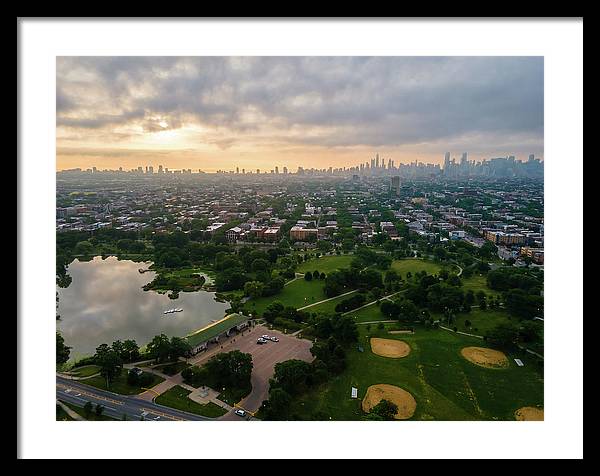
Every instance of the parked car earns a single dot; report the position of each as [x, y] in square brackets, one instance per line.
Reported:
[240, 412]
[274, 339]
[265, 337]
[260, 340]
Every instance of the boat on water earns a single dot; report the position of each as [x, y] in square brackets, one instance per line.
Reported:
[171, 311]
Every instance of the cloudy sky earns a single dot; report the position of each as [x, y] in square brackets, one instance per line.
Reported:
[215, 113]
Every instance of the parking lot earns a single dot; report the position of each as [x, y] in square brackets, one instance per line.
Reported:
[264, 358]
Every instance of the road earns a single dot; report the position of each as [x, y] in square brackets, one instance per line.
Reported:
[71, 391]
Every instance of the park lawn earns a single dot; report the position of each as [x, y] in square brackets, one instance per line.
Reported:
[329, 306]
[177, 397]
[477, 283]
[325, 264]
[444, 384]
[92, 417]
[85, 371]
[120, 385]
[481, 321]
[296, 294]
[368, 314]
[414, 265]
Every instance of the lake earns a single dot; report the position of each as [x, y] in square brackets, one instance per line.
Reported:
[105, 302]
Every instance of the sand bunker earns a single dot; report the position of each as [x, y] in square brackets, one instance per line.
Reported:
[485, 357]
[391, 348]
[404, 401]
[529, 414]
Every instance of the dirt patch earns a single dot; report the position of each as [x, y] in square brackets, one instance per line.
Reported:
[401, 332]
[485, 357]
[391, 348]
[404, 401]
[529, 414]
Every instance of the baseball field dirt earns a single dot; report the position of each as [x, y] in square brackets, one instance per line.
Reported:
[485, 357]
[391, 348]
[401, 398]
[529, 414]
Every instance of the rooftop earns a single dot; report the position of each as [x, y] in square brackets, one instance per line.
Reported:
[214, 329]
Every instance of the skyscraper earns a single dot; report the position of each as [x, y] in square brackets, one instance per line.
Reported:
[395, 188]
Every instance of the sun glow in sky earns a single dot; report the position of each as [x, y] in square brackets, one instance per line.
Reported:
[218, 113]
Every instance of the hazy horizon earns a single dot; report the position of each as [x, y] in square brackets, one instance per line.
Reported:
[219, 113]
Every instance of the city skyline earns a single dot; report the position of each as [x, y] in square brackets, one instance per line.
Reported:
[219, 113]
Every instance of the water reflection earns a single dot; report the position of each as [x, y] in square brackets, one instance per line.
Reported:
[105, 302]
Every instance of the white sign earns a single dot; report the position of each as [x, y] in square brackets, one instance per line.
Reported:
[354, 392]
[519, 362]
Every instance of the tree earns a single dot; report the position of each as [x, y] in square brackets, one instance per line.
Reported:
[277, 407]
[291, 376]
[62, 351]
[528, 332]
[98, 410]
[230, 369]
[308, 276]
[523, 305]
[159, 348]
[178, 347]
[504, 335]
[87, 409]
[254, 289]
[109, 362]
[131, 351]
[385, 409]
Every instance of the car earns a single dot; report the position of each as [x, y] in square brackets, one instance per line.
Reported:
[266, 337]
[241, 413]
[260, 340]
[274, 339]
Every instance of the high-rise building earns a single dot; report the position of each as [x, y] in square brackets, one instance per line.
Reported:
[160, 169]
[237, 170]
[395, 187]
[276, 169]
[150, 169]
[285, 171]
[377, 161]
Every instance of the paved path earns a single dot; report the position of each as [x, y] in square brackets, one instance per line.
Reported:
[325, 300]
[373, 322]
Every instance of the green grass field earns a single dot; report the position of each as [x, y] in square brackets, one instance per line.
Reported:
[478, 283]
[177, 397]
[481, 321]
[120, 385]
[444, 384]
[296, 294]
[329, 306]
[368, 314]
[325, 264]
[85, 371]
[403, 266]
